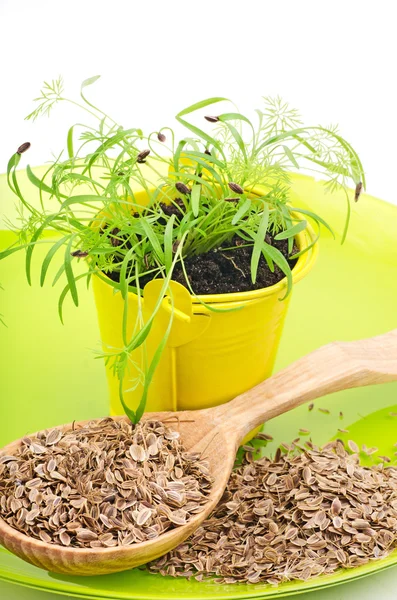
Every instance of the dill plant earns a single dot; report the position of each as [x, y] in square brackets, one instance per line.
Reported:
[230, 179]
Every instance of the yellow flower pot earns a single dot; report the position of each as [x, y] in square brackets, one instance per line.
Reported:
[210, 357]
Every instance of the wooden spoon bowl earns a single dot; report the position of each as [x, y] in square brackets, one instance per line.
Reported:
[216, 433]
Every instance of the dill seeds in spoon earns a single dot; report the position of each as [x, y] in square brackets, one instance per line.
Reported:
[109, 483]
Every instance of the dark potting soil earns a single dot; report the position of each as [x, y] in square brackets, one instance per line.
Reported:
[223, 271]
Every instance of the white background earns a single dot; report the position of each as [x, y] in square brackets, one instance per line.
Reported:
[335, 61]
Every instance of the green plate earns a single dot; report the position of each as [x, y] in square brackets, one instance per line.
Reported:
[48, 375]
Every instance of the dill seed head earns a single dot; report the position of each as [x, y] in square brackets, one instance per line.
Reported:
[79, 253]
[358, 190]
[142, 155]
[161, 137]
[182, 188]
[236, 188]
[23, 147]
[211, 119]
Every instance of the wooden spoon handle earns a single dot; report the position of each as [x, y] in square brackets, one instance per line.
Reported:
[337, 366]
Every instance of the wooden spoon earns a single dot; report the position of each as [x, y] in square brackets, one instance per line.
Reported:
[217, 433]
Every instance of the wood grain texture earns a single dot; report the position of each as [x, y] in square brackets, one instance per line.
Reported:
[217, 432]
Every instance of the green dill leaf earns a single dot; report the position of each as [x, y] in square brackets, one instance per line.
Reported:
[201, 104]
[82, 199]
[291, 156]
[128, 411]
[205, 159]
[237, 137]
[357, 173]
[39, 183]
[281, 262]
[152, 237]
[277, 138]
[69, 142]
[12, 164]
[329, 166]
[89, 81]
[81, 178]
[177, 154]
[49, 256]
[242, 210]
[196, 130]
[29, 250]
[123, 273]
[69, 272]
[235, 117]
[58, 274]
[9, 251]
[292, 231]
[313, 216]
[259, 240]
[152, 368]
[168, 243]
[61, 301]
[195, 199]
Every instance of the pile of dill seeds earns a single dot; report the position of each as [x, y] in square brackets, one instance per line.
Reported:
[106, 484]
[300, 515]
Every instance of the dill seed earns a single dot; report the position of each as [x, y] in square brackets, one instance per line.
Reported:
[304, 431]
[79, 253]
[286, 447]
[182, 188]
[358, 190]
[161, 137]
[324, 410]
[343, 430]
[264, 436]
[206, 151]
[341, 415]
[23, 147]
[142, 156]
[211, 119]
[384, 458]
[235, 187]
[393, 414]
[311, 406]
[353, 446]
